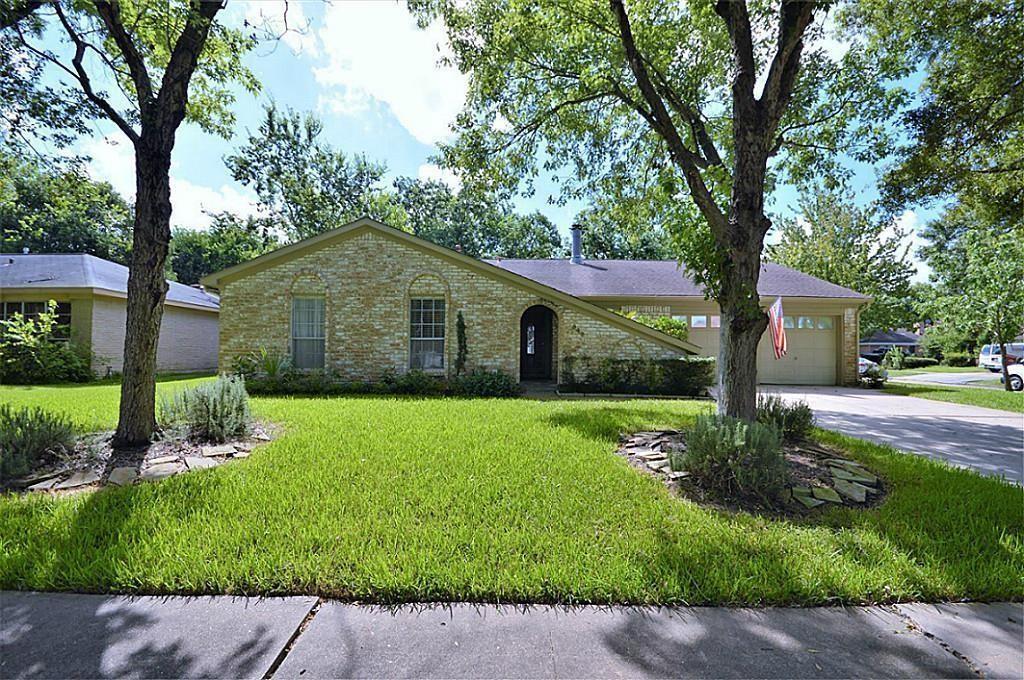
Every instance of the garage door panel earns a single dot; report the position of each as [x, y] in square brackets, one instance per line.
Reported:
[810, 359]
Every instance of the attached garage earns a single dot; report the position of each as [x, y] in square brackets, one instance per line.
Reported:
[812, 356]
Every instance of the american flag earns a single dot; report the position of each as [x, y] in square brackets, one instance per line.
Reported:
[777, 328]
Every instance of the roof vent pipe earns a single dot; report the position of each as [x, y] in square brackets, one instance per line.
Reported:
[577, 250]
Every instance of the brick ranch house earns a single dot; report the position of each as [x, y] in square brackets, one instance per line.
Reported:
[91, 295]
[367, 298]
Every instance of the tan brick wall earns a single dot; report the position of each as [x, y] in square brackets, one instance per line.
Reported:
[368, 279]
[188, 337]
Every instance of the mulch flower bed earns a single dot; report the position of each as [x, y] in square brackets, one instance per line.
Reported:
[94, 463]
[819, 476]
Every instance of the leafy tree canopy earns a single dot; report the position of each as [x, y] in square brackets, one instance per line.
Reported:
[229, 241]
[966, 138]
[58, 210]
[854, 247]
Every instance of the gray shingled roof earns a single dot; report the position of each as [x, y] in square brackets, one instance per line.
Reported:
[76, 270]
[891, 338]
[630, 278]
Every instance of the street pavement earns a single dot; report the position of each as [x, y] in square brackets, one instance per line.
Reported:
[964, 379]
[70, 636]
[983, 439]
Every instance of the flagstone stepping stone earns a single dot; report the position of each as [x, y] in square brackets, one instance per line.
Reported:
[244, 446]
[242, 454]
[852, 490]
[842, 462]
[45, 485]
[200, 463]
[801, 491]
[261, 437]
[657, 465]
[219, 450]
[78, 479]
[865, 477]
[122, 476]
[678, 474]
[824, 493]
[160, 471]
[651, 455]
[808, 501]
[160, 460]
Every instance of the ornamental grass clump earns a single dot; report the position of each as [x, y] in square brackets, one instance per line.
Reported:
[215, 411]
[794, 420]
[733, 457]
[29, 434]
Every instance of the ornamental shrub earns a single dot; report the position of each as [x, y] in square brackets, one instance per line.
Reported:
[215, 411]
[794, 421]
[29, 434]
[30, 356]
[874, 376]
[665, 324]
[485, 383]
[959, 359]
[733, 457]
[686, 376]
[919, 362]
[893, 358]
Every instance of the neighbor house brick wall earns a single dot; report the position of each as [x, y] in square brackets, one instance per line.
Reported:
[188, 337]
[368, 280]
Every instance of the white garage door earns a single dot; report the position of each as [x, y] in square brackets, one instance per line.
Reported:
[812, 355]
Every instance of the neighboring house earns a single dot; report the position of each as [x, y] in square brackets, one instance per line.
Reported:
[880, 342]
[91, 300]
[366, 299]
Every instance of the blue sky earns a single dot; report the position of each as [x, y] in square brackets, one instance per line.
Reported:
[373, 78]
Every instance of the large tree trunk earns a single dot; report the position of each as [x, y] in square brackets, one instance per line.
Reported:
[147, 287]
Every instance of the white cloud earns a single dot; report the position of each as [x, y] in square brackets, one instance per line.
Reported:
[113, 161]
[375, 51]
[429, 171]
[286, 19]
[910, 221]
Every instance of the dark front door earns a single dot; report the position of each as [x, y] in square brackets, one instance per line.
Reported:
[535, 340]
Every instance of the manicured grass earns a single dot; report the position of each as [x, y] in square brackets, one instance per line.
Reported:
[971, 396]
[895, 373]
[385, 499]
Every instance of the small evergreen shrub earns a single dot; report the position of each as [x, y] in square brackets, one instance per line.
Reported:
[29, 434]
[733, 457]
[262, 362]
[30, 356]
[919, 362]
[217, 411]
[874, 376]
[686, 376]
[794, 421]
[415, 382]
[484, 383]
[958, 359]
[665, 324]
[893, 358]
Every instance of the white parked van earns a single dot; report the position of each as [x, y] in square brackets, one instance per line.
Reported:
[991, 359]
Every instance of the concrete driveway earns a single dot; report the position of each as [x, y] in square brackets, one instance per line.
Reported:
[986, 440]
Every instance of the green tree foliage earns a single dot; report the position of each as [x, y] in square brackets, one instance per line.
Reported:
[854, 247]
[991, 296]
[228, 241]
[302, 182]
[966, 136]
[605, 238]
[60, 210]
[480, 224]
[678, 102]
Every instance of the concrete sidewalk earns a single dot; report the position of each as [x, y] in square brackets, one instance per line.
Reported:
[67, 635]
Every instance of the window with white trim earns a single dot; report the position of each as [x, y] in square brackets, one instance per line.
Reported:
[426, 334]
[308, 332]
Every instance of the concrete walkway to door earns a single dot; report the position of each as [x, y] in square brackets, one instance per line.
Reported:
[983, 439]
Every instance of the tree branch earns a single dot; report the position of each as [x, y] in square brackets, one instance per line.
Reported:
[661, 121]
[737, 23]
[794, 18]
[110, 13]
[173, 97]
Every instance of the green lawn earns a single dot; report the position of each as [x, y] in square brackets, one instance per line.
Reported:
[897, 372]
[971, 396]
[385, 499]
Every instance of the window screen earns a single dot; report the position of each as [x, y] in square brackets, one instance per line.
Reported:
[426, 334]
[308, 332]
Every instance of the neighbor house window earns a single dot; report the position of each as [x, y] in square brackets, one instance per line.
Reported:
[716, 321]
[824, 323]
[426, 334]
[308, 326]
[699, 321]
[32, 310]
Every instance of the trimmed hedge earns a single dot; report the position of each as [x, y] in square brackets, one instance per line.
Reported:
[919, 362]
[684, 377]
[958, 359]
[478, 383]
